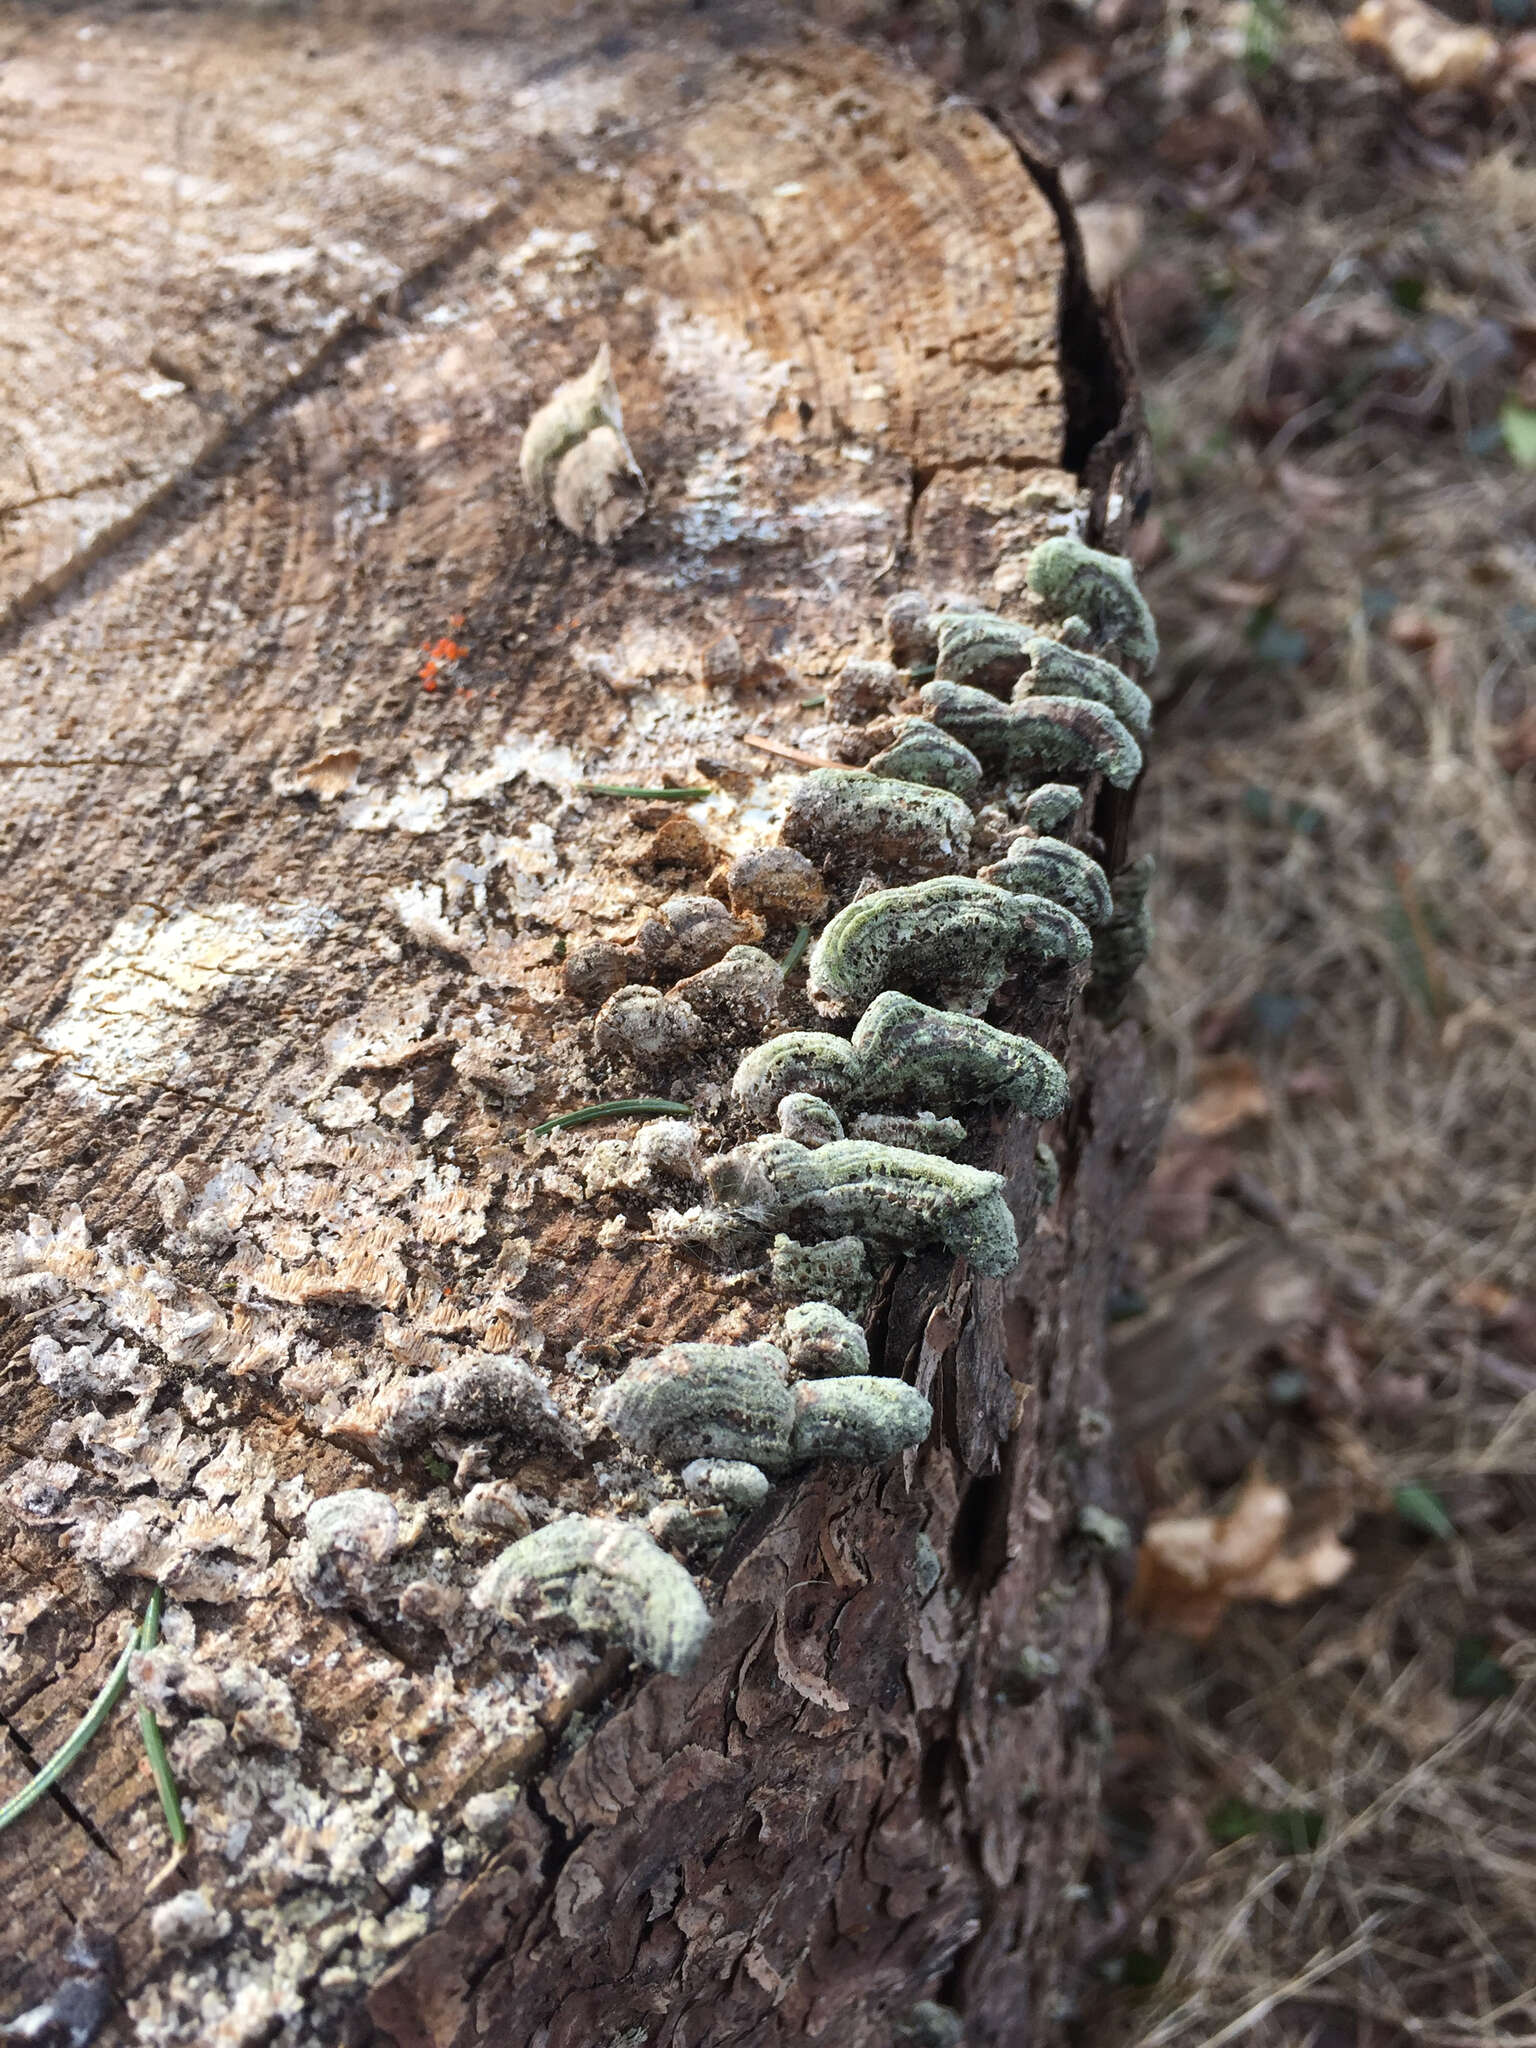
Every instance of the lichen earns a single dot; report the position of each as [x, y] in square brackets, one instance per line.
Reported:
[1038, 735]
[796, 1063]
[921, 752]
[604, 1579]
[1057, 869]
[943, 1060]
[953, 938]
[860, 1418]
[1072, 580]
[693, 1401]
[848, 816]
[904, 1200]
[822, 1342]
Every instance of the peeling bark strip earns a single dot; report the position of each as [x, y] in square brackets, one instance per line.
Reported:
[313, 912]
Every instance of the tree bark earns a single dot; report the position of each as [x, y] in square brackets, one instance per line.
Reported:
[285, 929]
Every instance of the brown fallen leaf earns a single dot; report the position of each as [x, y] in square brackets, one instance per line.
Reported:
[1177, 1209]
[1428, 51]
[1228, 1094]
[1190, 1568]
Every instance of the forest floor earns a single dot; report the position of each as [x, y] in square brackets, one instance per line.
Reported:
[1322, 1822]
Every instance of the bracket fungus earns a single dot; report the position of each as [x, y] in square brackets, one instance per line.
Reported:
[796, 1063]
[922, 752]
[981, 650]
[953, 938]
[836, 1271]
[1125, 940]
[1049, 807]
[945, 1060]
[647, 1027]
[575, 461]
[694, 1401]
[880, 1193]
[850, 816]
[922, 1132]
[910, 629]
[809, 1120]
[859, 1417]
[776, 884]
[1045, 735]
[1057, 869]
[1073, 580]
[604, 1579]
[731, 1482]
[1056, 670]
[822, 1341]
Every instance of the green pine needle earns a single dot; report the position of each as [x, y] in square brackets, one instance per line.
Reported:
[668, 796]
[154, 1741]
[74, 1747]
[797, 950]
[638, 1105]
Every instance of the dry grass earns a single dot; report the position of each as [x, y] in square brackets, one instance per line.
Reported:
[1346, 834]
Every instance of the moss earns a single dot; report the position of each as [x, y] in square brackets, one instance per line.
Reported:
[604, 1579]
[1073, 580]
[909, 1051]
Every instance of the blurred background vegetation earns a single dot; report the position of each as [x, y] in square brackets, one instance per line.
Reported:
[1321, 228]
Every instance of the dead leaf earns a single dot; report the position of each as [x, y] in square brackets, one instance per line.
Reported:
[1192, 1567]
[1428, 51]
[1228, 1094]
[1178, 1199]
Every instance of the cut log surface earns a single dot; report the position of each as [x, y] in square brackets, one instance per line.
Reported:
[300, 711]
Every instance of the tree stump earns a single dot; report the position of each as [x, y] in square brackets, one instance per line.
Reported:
[302, 706]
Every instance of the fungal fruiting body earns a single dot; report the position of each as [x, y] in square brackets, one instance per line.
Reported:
[1049, 735]
[953, 938]
[1048, 808]
[849, 815]
[922, 752]
[905, 1200]
[647, 1026]
[822, 1341]
[809, 1120]
[910, 628]
[575, 460]
[859, 1417]
[604, 1579]
[796, 1063]
[921, 1132]
[981, 650]
[1047, 1175]
[1056, 670]
[1057, 869]
[945, 1060]
[694, 1401]
[836, 1271]
[731, 1482]
[1073, 580]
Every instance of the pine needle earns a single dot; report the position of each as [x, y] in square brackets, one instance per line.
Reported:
[638, 1105]
[668, 796]
[76, 1744]
[796, 952]
[154, 1741]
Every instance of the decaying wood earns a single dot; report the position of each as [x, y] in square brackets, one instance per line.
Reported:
[284, 930]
